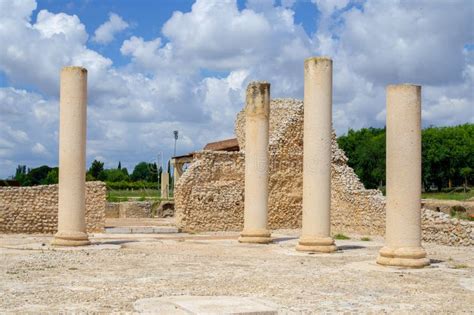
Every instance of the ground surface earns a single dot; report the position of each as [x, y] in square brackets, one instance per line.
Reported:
[121, 269]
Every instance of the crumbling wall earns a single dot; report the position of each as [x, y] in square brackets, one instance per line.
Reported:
[209, 196]
[35, 209]
[210, 192]
[129, 209]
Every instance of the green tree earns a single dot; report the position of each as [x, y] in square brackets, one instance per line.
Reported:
[52, 177]
[96, 169]
[365, 149]
[113, 175]
[125, 171]
[36, 176]
[466, 173]
[445, 151]
[140, 172]
[119, 167]
[21, 174]
[144, 171]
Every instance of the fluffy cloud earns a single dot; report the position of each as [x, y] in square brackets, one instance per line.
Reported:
[379, 43]
[193, 77]
[105, 33]
[26, 122]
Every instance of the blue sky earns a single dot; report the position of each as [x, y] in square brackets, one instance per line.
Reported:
[159, 66]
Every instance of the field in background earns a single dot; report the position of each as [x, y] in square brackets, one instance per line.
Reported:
[460, 196]
[115, 195]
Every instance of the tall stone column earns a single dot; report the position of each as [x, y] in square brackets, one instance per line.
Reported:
[72, 158]
[257, 114]
[403, 215]
[316, 229]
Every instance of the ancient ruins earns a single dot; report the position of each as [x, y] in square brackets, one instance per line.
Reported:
[265, 180]
[277, 196]
[316, 221]
[257, 112]
[403, 219]
[72, 158]
[210, 195]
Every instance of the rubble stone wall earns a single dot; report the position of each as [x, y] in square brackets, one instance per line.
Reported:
[210, 194]
[129, 209]
[35, 209]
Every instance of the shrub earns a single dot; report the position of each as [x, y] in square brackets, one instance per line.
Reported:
[341, 236]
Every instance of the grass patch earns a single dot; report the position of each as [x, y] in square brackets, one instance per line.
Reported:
[340, 236]
[460, 213]
[115, 198]
[116, 195]
[460, 196]
[365, 239]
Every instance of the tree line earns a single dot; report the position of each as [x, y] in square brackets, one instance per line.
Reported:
[447, 161]
[144, 175]
[447, 156]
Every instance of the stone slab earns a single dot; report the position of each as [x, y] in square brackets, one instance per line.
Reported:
[165, 229]
[205, 305]
[142, 230]
[118, 230]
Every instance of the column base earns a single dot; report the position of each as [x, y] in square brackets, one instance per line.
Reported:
[70, 239]
[407, 257]
[256, 236]
[316, 244]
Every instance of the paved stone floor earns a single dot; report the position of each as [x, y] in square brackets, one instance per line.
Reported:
[120, 271]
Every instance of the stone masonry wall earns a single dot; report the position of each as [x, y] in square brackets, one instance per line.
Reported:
[35, 209]
[129, 209]
[210, 194]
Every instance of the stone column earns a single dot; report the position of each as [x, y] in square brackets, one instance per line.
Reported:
[257, 112]
[165, 185]
[177, 171]
[316, 229]
[72, 158]
[403, 215]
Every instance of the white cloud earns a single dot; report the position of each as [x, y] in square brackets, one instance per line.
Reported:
[27, 123]
[39, 149]
[193, 77]
[106, 32]
[386, 42]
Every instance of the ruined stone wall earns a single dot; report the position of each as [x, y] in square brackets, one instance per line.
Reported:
[210, 193]
[35, 209]
[129, 209]
[209, 196]
[438, 227]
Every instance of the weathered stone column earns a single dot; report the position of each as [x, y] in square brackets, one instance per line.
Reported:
[403, 215]
[316, 229]
[257, 113]
[177, 171]
[72, 158]
[165, 185]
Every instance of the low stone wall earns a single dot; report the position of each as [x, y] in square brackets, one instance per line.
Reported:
[440, 228]
[447, 205]
[210, 196]
[129, 209]
[35, 209]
